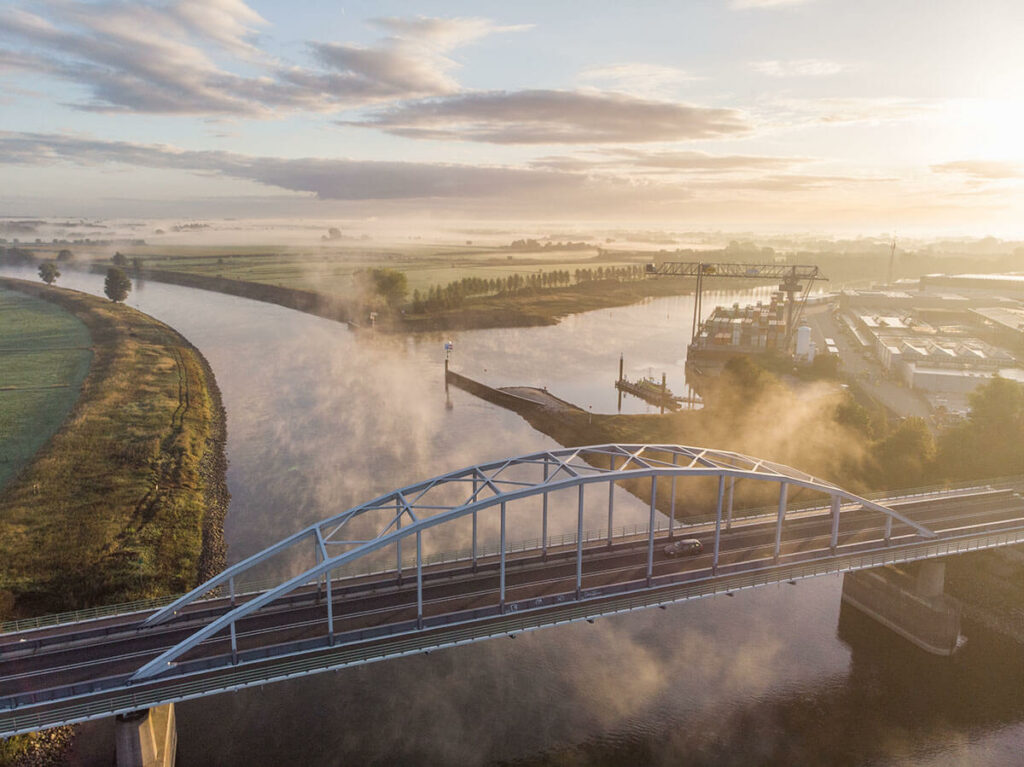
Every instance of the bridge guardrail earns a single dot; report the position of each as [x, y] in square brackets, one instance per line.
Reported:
[566, 539]
[294, 666]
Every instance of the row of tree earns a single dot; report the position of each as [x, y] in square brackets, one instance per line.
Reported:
[454, 294]
[117, 285]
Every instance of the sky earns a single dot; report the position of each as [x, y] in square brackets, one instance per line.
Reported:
[774, 115]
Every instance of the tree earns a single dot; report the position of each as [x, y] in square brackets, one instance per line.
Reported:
[903, 458]
[119, 259]
[117, 286]
[65, 256]
[390, 284]
[990, 442]
[48, 272]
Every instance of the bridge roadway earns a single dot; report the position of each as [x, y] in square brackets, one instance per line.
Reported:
[80, 671]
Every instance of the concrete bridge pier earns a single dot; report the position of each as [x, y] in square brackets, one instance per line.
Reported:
[909, 600]
[147, 738]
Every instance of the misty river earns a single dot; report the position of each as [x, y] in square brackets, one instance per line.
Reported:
[320, 419]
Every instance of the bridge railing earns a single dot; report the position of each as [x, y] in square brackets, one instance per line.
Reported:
[245, 588]
[287, 667]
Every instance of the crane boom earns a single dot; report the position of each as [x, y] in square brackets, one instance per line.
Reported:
[750, 271]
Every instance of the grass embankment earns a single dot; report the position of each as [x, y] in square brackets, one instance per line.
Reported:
[525, 308]
[44, 355]
[127, 499]
[545, 306]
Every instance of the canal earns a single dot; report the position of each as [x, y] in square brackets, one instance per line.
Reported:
[320, 418]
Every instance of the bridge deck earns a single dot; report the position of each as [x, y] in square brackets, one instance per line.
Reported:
[74, 672]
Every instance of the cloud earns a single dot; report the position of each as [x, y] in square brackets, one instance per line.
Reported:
[165, 58]
[840, 110]
[984, 170]
[665, 162]
[554, 117]
[742, 4]
[411, 63]
[336, 179]
[444, 34]
[798, 68]
[638, 78]
[793, 182]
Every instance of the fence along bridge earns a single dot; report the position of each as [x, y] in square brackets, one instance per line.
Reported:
[367, 590]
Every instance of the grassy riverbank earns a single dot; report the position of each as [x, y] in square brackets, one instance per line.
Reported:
[127, 499]
[44, 356]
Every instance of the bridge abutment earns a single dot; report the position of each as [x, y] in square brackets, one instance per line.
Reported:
[910, 601]
[147, 738]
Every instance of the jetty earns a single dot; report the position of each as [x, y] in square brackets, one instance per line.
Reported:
[525, 400]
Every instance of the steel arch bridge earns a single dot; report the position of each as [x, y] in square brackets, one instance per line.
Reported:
[490, 488]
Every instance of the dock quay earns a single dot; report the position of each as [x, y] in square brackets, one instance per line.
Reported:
[525, 400]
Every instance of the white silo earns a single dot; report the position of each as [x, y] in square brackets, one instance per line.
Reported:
[803, 342]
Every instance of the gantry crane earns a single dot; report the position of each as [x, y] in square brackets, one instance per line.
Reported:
[790, 275]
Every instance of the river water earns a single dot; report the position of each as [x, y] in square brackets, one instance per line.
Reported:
[320, 419]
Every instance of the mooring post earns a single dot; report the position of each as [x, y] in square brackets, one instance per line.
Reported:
[650, 531]
[783, 490]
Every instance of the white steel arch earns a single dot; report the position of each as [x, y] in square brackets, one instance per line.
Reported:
[411, 512]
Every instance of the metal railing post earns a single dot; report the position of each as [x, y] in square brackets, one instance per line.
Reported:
[501, 566]
[650, 531]
[718, 523]
[611, 500]
[888, 528]
[544, 517]
[579, 545]
[672, 512]
[419, 580]
[319, 579]
[783, 490]
[835, 523]
[330, 611]
[234, 645]
[231, 589]
[474, 525]
[728, 514]
[398, 551]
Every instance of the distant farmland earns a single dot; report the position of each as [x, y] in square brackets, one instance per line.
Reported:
[330, 270]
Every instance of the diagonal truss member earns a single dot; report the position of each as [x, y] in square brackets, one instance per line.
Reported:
[487, 487]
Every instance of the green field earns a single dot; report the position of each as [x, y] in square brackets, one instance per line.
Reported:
[131, 483]
[44, 355]
[330, 269]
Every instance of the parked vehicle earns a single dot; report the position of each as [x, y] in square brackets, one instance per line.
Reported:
[684, 547]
